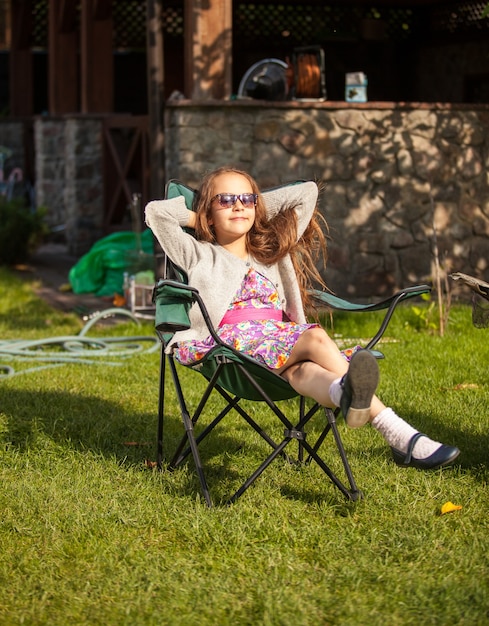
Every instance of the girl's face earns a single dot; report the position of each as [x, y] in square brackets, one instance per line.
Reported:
[232, 218]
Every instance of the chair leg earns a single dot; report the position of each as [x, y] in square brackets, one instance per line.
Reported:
[298, 433]
[180, 454]
[189, 429]
[161, 410]
[353, 493]
[278, 450]
[233, 403]
[292, 432]
[189, 436]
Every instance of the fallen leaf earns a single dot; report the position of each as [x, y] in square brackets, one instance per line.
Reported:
[466, 386]
[449, 507]
[461, 387]
[118, 300]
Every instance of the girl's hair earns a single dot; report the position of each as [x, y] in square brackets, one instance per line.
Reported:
[269, 241]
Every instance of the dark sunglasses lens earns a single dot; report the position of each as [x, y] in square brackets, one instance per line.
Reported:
[248, 199]
[227, 200]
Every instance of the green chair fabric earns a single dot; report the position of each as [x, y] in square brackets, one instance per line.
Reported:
[175, 188]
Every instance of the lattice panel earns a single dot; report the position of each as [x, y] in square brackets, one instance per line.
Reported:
[255, 23]
[298, 24]
[129, 23]
[460, 18]
[317, 23]
[40, 19]
[398, 23]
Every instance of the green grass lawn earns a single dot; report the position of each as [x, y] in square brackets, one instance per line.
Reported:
[91, 535]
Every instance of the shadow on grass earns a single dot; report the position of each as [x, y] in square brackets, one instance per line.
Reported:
[92, 424]
[88, 423]
[32, 315]
[230, 460]
[78, 421]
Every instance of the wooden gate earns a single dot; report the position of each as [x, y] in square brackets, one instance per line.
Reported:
[126, 169]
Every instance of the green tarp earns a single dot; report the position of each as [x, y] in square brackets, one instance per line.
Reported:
[101, 270]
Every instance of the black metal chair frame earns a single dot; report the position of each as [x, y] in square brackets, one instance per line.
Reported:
[225, 367]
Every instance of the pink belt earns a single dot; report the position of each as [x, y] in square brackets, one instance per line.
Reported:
[243, 315]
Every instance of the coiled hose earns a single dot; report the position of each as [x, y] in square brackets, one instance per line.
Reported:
[76, 348]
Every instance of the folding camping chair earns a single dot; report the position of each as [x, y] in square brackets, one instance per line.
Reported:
[238, 378]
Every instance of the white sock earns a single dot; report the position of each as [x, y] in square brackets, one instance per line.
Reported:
[399, 433]
[335, 391]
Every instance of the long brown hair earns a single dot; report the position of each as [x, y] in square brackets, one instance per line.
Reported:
[269, 241]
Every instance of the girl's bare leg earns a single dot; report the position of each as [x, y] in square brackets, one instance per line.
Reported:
[314, 363]
[316, 345]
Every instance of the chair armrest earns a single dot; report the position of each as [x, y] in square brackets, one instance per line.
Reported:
[338, 304]
[173, 300]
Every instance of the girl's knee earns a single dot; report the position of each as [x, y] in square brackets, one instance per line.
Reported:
[319, 339]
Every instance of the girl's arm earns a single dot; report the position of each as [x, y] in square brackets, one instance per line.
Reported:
[302, 196]
[167, 218]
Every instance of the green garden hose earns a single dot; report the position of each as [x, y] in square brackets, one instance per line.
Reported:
[76, 348]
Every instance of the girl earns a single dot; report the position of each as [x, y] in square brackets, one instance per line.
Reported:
[253, 259]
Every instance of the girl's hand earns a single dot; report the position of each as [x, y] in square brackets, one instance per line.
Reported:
[191, 220]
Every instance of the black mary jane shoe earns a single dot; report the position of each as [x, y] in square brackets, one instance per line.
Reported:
[441, 457]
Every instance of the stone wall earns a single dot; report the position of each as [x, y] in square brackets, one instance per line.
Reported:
[393, 177]
[50, 169]
[69, 177]
[389, 173]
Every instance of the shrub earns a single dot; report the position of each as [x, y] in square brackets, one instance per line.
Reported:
[21, 230]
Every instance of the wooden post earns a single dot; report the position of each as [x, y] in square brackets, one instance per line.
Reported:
[63, 61]
[20, 61]
[97, 63]
[208, 49]
[156, 111]
[156, 107]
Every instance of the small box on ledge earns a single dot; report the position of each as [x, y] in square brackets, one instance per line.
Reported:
[356, 87]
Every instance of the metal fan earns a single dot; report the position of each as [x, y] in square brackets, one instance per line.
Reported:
[265, 80]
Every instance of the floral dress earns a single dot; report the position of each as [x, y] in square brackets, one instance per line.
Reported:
[269, 341]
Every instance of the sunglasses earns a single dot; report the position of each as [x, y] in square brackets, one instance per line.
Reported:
[228, 200]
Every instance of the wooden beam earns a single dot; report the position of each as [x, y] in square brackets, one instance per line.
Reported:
[21, 11]
[102, 9]
[62, 62]
[156, 90]
[97, 64]
[21, 97]
[208, 49]
[67, 16]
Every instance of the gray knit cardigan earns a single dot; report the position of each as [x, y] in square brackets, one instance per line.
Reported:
[217, 273]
